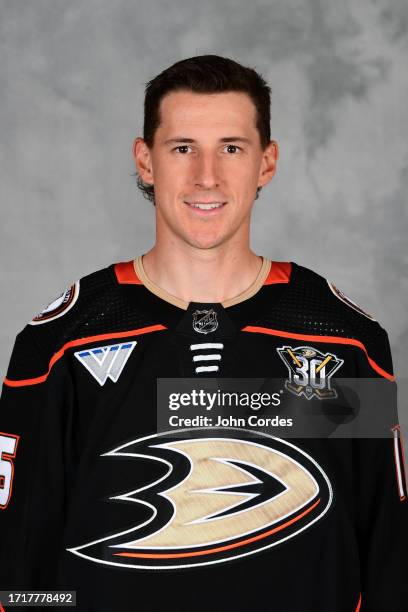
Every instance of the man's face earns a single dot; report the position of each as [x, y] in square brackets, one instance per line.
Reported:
[206, 150]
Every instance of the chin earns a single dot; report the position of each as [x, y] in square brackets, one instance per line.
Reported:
[204, 243]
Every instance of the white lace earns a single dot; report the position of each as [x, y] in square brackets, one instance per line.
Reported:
[206, 357]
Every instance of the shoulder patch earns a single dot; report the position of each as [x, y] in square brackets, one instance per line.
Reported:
[341, 296]
[58, 307]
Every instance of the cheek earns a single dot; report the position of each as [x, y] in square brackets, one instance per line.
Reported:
[167, 177]
[173, 168]
[170, 187]
[243, 176]
[162, 171]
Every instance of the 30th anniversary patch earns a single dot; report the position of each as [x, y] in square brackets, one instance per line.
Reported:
[310, 371]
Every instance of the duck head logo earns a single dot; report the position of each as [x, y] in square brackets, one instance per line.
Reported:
[217, 495]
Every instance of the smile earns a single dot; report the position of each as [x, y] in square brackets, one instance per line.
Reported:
[206, 207]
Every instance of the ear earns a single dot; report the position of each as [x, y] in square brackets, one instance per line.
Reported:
[269, 163]
[143, 161]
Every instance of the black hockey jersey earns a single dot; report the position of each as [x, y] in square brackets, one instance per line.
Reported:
[96, 497]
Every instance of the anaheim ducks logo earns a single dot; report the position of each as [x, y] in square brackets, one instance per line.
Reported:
[58, 307]
[216, 497]
[344, 298]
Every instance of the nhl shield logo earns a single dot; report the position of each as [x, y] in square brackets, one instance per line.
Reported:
[205, 321]
[310, 371]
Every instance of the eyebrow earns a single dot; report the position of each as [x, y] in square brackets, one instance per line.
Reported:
[225, 139]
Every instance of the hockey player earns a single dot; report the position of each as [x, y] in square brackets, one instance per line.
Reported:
[97, 496]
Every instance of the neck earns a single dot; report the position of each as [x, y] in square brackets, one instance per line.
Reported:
[202, 275]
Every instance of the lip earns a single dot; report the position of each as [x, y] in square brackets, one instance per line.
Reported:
[205, 213]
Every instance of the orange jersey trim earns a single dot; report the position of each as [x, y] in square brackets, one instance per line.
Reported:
[358, 604]
[279, 273]
[126, 274]
[220, 548]
[332, 339]
[80, 342]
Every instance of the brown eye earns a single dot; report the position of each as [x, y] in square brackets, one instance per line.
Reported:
[180, 147]
[233, 146]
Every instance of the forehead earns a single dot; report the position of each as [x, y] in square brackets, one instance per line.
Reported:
[190, 110]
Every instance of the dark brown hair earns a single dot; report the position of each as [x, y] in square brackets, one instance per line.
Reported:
[205, 74]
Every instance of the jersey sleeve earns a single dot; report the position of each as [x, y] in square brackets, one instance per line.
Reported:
[37, 457]
[380, 493]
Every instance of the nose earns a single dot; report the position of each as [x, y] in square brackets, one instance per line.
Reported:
[206, 171]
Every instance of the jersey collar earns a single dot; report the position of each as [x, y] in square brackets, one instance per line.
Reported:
[133, 272]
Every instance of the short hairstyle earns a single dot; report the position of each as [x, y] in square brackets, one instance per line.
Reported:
[205, 74]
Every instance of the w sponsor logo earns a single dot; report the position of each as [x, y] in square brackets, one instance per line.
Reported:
[105, 362]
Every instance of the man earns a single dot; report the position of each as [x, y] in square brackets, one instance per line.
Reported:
[99, 497]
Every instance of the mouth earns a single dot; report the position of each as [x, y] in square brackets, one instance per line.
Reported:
[206, 208]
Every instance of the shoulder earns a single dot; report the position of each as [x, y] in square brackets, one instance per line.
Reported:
[76, 302]
[87, 308]
[322, 296]
[316, 288]
[74, 298]
[331, 312]
[316, 306]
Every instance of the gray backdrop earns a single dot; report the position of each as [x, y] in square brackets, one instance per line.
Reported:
[72, 77]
